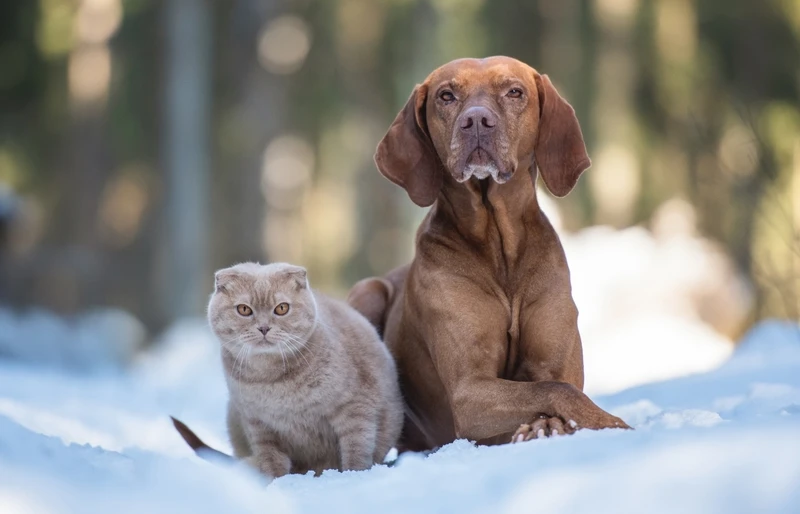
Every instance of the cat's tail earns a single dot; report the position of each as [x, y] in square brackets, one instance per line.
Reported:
[202, 450]
[372, 297]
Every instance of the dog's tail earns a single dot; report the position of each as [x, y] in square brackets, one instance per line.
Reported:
[202, 450]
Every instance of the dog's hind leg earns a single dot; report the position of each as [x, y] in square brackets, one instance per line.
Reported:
[371, 297]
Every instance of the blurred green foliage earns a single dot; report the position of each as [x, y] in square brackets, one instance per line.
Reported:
[677, 98]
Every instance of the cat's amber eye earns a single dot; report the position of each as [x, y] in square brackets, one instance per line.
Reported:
[244, 310]
[282, 309]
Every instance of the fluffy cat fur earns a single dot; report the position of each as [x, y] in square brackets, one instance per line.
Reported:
[312, 389]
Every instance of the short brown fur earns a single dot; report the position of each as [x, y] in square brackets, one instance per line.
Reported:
[482, 323]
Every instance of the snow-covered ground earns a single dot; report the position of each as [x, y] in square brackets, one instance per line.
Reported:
[724, 441]
[82, 431]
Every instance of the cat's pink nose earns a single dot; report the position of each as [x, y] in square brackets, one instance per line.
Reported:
[263, 329]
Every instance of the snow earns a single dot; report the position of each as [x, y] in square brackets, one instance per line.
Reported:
[79, 343]
[654, 303]
[723, 441]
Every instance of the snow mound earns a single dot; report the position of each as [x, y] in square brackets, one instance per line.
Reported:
[98, 340]
[654, 303]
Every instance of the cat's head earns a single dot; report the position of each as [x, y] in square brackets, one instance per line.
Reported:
[268, 307]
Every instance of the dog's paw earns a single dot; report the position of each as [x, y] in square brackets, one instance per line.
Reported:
[542, 428]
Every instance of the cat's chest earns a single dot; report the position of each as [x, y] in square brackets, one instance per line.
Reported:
[301, 421]
[298, 399]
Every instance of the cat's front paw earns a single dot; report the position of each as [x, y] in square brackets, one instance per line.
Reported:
[267, 467]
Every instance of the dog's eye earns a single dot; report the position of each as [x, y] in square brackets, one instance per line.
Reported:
[282, 309]
[447, 96]
[244, 310]
[514, 93]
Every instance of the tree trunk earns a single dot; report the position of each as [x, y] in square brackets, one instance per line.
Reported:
[187, 83]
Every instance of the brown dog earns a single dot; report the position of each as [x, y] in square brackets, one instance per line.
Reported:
[482, 323]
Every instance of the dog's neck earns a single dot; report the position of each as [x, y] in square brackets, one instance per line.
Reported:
[488, 213]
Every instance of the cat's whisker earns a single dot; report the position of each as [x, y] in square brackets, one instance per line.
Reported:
[247, 357]
[296, 350]
[296, 338]
[241, 339]
[235, 362]
[280, 348]
[238, 355]
[234, 339]
[238, 373]
[298, 341]
[251, 338]
[243, 364]
[300, 345]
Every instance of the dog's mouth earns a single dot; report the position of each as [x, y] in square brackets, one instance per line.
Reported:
[481, 165]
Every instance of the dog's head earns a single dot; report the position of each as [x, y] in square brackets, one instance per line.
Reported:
[481, 119]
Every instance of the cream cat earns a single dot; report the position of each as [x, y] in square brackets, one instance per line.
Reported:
[311, 385]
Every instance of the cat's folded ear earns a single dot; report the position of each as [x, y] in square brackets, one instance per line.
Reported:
[298, 274]
[223, 278]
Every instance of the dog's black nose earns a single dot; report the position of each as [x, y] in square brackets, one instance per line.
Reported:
[478, 115]
[263, 329]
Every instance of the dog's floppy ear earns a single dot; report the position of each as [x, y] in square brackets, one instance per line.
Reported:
[406, 155]
[559, 151]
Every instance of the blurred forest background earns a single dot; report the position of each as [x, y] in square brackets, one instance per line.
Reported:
[145, 143]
